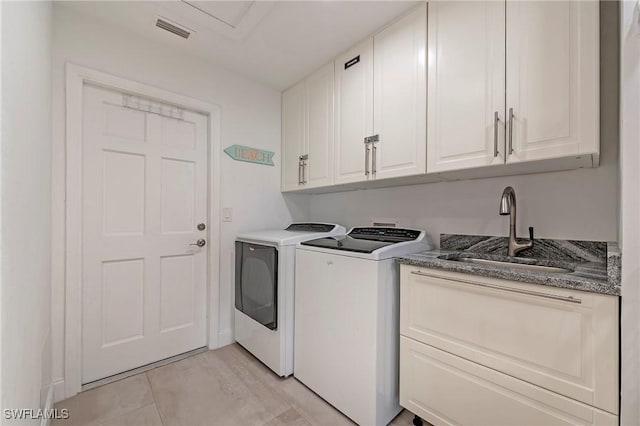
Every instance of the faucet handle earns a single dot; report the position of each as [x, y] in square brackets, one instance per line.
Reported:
[531, 233]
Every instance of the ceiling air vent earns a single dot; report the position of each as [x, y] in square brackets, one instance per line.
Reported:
[172, 28]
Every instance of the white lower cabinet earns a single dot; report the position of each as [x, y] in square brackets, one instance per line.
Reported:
[477, 350]
[446, 389]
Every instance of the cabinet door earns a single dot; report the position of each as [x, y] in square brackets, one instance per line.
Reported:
[466, 85]
[445, 389]
[319, 127]
[293, 136]
[552, 78]
[400, 97]
[354, 111]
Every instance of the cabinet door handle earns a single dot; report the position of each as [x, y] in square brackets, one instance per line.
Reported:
[366, 157]
[370, 140]
[303, 161]
[299, 171]
[503, 288]
[510, 131]
[304, 172]
[373, 159]
[496, 123]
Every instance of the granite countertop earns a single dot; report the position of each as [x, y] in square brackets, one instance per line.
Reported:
[594, 266]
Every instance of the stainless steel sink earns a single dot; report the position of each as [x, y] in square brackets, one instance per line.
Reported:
[513, 265]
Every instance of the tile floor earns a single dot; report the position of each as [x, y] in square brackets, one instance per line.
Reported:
[226, 387]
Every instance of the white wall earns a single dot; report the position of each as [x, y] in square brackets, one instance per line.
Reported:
[630, 209]
[25, 231]
[567, 205]
[578, 204]
[250, 116]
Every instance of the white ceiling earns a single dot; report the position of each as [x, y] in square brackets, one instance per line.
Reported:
[275, 42]
[229, 12]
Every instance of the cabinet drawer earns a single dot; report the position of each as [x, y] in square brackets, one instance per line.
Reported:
[531, 332]
[446, 389]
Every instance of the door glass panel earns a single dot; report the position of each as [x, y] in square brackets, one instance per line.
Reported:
[257, 282]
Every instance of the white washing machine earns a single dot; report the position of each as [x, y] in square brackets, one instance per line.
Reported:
[264, 290]
[347, 319]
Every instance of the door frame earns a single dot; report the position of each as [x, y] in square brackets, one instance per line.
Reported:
[76, 78]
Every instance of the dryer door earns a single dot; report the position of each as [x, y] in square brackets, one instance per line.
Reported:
[257, 282]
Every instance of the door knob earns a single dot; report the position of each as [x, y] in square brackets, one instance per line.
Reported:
[199, 243]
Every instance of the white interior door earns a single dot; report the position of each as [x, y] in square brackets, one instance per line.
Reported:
[144, 194]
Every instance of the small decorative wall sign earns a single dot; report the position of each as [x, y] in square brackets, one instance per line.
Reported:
[251, 155]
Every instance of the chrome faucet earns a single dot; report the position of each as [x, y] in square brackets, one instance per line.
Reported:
[508, 207]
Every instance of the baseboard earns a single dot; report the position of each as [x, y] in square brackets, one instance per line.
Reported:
[58, 390]
[48, 406]
[225, 338]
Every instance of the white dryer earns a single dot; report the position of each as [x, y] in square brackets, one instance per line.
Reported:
[347, 319]
[264, 290]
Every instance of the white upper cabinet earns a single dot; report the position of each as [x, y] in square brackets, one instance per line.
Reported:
[308, 132]
[469, 89]
[546, 67]
[319, 128]
[293, 134]
[354, 112]
[400, 97]
[381, 94]
[552, 79]
[466, 73]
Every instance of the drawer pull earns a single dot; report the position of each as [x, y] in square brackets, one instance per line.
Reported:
[570, 299]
